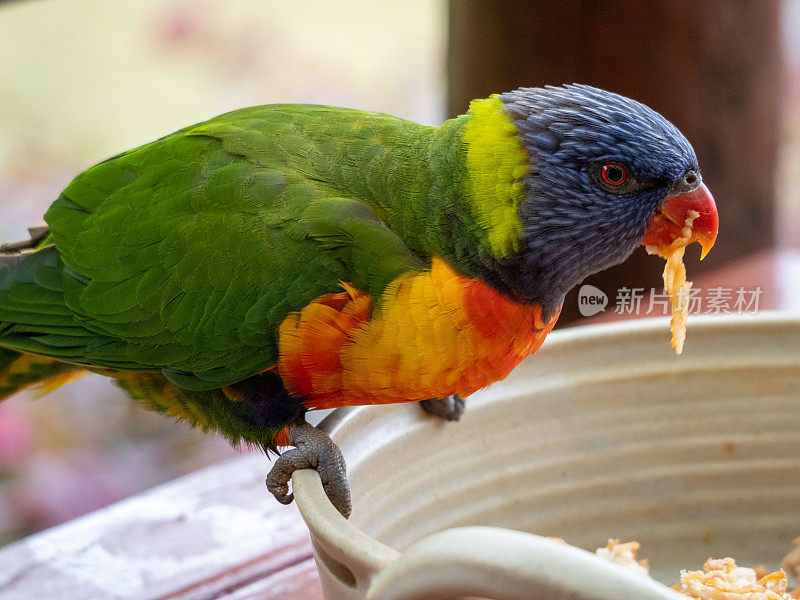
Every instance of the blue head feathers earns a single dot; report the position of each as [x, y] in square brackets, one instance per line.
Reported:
[600, 166]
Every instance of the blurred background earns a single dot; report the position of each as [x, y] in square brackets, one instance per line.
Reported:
[85, 79]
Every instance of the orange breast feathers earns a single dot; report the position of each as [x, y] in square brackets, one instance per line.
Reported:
[432, 334]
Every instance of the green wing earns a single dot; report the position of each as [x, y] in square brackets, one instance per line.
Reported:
[186, 254]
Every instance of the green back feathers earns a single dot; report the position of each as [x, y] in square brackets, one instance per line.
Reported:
[186, 254]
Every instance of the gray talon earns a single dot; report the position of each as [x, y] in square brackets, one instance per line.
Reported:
[313, 449]
[450, 408]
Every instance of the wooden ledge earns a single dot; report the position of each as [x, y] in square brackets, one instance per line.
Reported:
[216, 533]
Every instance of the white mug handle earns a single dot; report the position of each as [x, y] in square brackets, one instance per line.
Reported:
[503, 564]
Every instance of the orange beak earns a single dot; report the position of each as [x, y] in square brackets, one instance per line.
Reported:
[692, 215]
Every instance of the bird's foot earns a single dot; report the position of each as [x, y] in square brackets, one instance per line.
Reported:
[313, 449]
[450, 408]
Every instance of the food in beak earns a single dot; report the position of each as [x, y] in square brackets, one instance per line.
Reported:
[683, 219]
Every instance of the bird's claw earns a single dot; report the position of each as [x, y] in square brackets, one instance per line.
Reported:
[450, 408]
[313, 449]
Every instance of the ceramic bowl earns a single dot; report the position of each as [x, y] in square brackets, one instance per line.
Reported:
[604, 433]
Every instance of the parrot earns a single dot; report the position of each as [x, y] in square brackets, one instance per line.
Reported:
[285, 258]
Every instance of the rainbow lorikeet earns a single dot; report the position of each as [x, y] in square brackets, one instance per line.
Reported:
[277, 259]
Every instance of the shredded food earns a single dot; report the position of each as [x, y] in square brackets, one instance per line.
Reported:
[675, 280]
[720, 579]
[624, 555]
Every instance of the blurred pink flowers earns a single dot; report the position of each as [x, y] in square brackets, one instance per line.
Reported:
[16, 436]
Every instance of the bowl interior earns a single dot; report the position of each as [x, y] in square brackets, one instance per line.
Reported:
[605, 434]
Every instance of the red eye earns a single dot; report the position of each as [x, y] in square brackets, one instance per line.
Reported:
[614, 174]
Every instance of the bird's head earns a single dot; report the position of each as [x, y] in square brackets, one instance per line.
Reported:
[605, 174]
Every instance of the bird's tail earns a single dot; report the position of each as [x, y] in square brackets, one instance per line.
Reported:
[19, 370]
[39, 236]
[12, 254]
